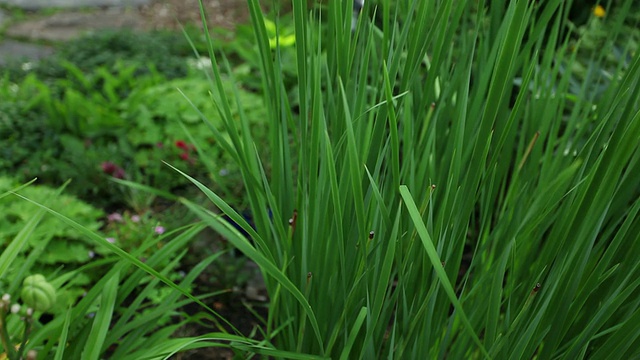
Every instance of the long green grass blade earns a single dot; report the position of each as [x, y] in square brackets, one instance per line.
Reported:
[436, 262]
[102, 319]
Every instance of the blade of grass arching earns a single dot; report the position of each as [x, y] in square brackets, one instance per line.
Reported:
[301, 23]
[102, 320]
[386, 214]
[151, 190]
[179, 241]
[495, 300]
[216, 133]
[270, 353]
[206, 160]
[10, 253]
[137, 333]
[262, 41]
[140, 324]
[393, 130]
[383, 279]
[251, 172]
[460, 127]
[62, 341]
[596, 198]
[7, 193]
[34, 255]
[172, 346]
[131, 332]
[354, 163]
[606, 266]
[100, 241]
[244, 154]
[233, 236]
[626, 336]
[337, 208]
[501, 79]
[351, 339]
[231, 213]
[437, 264]
[79, 329]
[276, 218]
[225, 111]
[609, 306]
[520, 332]
[168, 303]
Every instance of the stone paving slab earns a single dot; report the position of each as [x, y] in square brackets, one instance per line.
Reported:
[40, 4]
[69, 25]
[11, 50]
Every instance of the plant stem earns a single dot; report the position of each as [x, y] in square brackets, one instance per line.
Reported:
[4, 333]
[27, 330]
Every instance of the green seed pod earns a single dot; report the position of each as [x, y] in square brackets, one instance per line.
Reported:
[37, 293]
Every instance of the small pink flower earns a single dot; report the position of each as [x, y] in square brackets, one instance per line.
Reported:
[108, 167]
[112, 169]
[115, 217]
[111, 240]
[119, 174]
[135, 218]
[159, 230]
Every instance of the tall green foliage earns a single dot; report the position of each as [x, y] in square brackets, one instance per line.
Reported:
[444, 191]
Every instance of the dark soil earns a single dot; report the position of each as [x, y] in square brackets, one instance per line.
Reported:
[170, 14]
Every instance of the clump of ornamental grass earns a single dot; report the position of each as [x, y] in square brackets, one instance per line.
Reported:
[440, 192]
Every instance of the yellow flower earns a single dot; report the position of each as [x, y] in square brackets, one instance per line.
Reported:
[599, 11]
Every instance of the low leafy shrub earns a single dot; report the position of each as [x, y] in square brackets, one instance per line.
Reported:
[52, 246]
[28, 143]
[102, 120]
[160, 51]
[166, 123]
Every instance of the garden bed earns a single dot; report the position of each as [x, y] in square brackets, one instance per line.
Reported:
[379, 195]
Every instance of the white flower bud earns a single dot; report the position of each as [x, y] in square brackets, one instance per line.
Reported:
[15, 308]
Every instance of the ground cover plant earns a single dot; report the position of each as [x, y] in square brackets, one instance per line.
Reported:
[113, 112]
[124, 313]
[451, 180]
[47, 251]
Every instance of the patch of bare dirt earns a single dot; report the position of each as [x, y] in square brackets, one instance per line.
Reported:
[170, 14]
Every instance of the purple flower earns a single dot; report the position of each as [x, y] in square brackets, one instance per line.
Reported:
[115, 217]
[135, 218]
[111, 240]
[159, 230]
[112, 169]
[91, 254]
